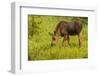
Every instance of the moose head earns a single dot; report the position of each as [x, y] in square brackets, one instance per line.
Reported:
[55, 38]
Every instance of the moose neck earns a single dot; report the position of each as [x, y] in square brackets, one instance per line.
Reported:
[57, 32]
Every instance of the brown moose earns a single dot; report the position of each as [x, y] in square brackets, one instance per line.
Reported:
[64, 29]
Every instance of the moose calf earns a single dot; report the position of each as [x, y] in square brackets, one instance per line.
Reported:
[64, 29]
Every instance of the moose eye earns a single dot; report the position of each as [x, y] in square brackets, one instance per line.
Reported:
[53, 38]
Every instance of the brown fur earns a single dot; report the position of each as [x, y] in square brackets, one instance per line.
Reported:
[65, 29]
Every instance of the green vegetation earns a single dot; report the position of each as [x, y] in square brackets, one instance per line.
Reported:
[39, 40]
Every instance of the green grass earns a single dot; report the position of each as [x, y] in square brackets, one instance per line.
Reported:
[39, 43]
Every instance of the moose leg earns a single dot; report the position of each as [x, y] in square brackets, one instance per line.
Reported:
[66, 38]
[80, 39]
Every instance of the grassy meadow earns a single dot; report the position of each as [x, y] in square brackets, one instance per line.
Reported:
[39, 39]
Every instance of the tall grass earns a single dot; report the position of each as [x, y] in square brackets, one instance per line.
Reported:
[39, 40]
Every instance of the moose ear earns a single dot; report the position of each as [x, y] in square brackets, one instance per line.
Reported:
[50, 33]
